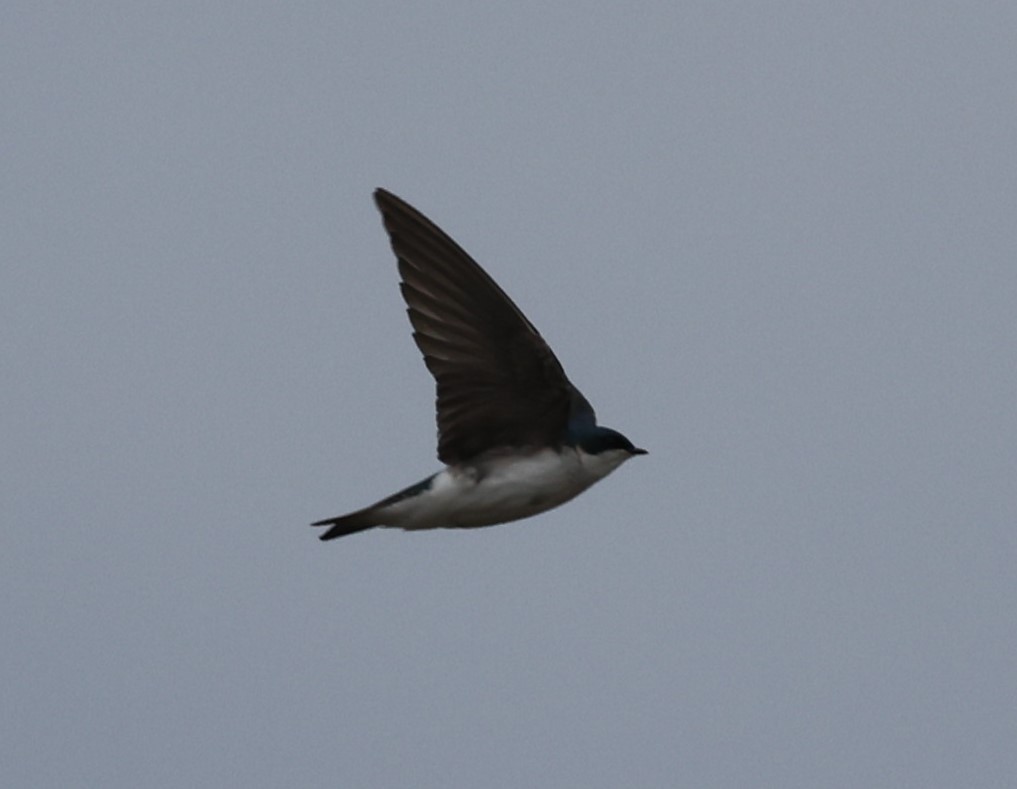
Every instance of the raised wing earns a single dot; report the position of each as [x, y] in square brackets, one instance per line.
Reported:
[499, 384]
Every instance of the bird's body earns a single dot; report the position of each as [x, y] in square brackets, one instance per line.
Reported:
[516, 436]
[491, 491]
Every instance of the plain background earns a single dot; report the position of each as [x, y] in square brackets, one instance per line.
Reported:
[773, 243]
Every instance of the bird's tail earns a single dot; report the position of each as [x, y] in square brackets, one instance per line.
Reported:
[349, 524]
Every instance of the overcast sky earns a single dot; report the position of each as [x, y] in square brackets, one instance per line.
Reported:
[773, 243]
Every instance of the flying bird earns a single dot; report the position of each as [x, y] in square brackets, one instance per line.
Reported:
[516, 437]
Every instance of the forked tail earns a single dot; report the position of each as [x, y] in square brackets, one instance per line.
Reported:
[348, 524]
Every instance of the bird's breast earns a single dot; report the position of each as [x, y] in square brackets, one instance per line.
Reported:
[500, 489]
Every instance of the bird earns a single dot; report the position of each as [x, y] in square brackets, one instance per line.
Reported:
[516, 436]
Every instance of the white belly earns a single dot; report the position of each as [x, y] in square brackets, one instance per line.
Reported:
[498, 491]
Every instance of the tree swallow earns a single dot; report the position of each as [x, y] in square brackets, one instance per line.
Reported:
[516, 437]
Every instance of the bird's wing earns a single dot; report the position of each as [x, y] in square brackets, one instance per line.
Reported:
[499, 384]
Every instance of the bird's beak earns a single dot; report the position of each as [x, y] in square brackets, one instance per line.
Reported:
[637, 451]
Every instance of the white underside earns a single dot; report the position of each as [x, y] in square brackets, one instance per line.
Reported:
[498, 491]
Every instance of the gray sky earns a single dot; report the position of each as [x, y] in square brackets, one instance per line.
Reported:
[775, 244]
